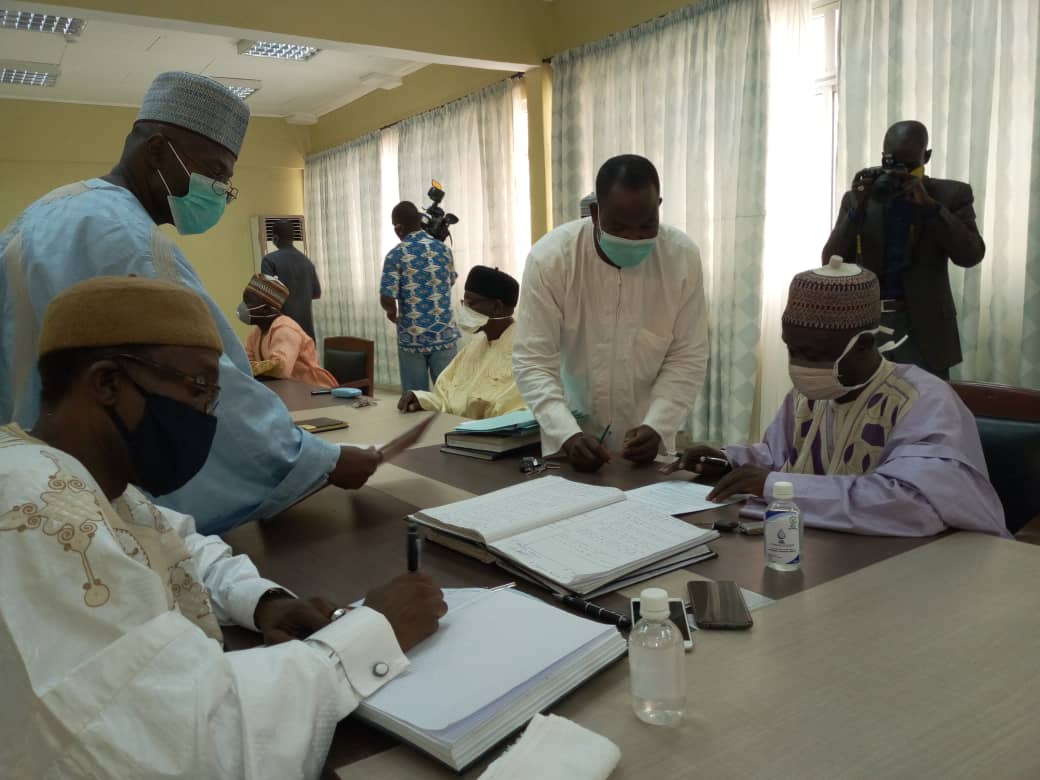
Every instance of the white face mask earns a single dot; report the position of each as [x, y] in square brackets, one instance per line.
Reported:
[473, 321]
[824, 383]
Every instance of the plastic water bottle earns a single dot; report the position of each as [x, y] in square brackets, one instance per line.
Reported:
[783, 530]
[656, 663]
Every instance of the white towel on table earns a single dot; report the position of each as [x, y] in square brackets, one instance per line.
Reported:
[553, 748]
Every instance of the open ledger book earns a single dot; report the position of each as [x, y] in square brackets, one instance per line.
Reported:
[497, 659]
[568, 536]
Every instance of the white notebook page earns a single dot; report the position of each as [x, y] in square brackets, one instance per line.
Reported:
[518, 508]
[483, 649]
[604, 540]
[674, 497]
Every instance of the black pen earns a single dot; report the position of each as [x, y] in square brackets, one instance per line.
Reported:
[602, 614]
[413, 547]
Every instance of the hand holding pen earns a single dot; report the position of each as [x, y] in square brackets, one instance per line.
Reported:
[586, 453]
[705, 461]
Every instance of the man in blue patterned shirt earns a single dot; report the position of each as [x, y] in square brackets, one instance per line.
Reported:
[415, 293]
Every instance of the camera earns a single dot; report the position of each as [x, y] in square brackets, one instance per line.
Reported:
[434, 220]
[886, 180]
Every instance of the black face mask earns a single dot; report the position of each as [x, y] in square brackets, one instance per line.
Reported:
[170, 444]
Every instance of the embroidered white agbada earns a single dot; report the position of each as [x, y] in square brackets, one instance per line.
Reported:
[625, 346]
[109, 642]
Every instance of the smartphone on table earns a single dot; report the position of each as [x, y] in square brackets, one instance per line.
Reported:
[677, 614]
[718, 605]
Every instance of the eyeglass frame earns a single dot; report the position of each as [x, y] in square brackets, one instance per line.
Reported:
[196, 382]
[224, 188]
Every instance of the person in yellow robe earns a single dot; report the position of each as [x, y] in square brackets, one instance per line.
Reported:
[479, 382]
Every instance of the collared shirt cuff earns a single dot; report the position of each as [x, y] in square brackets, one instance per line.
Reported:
[366, 647]
[664, 417]
[557, 427]
[244, 596]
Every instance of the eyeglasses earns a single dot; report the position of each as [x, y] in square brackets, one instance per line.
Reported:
[220, 186]
[195, 382]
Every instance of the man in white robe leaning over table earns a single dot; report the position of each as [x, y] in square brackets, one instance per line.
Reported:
[612, 324]
[176, 168]
[110, 639]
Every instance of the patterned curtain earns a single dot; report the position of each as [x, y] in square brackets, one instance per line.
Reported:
[688, 91]
[347, 241]
[968, 69]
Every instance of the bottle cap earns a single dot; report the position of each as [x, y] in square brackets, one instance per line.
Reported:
[837, 266]
[654, 603]
[783, 491]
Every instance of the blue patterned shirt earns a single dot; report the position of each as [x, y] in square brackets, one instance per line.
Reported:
[419, 272]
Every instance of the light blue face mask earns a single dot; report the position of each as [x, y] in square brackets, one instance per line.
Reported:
[201, 207]
[625, 252]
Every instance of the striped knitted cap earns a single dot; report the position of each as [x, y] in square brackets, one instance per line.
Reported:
[840, 296]
[199, 104]
[270, 289]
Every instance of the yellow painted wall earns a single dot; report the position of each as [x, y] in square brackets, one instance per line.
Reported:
[50, 144]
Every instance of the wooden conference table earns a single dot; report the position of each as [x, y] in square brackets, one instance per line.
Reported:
[883, 658]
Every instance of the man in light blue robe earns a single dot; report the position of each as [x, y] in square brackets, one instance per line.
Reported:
[175, 169]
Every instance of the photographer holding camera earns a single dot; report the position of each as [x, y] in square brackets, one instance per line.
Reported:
[415, 293]
[906, 227]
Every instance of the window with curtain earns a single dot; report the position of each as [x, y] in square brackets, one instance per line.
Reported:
[475, 147]
[968, 69]
[689, 92]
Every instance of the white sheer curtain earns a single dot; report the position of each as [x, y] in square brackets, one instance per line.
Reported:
[477, 148]
[688, 91]
[969, 70]
[347, 240]
[797, 188]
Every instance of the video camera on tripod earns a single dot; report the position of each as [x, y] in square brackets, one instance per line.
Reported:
[434, 220]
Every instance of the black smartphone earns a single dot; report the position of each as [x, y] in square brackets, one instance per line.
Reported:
[718, 605]
[321, 424]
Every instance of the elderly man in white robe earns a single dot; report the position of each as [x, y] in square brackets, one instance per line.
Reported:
[110, 638]
[612, 325]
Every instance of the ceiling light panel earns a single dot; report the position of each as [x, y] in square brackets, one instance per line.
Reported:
[28, 74]
[28, 21]
[280, 51]
[241, 87]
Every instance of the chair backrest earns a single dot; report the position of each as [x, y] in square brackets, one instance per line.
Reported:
[1008, 419]
[352, 361]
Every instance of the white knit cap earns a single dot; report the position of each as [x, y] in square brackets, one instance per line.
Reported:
[199, 104]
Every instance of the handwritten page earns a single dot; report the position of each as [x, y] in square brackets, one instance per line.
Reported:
[675, 497]
[612, 540]
[519, 508]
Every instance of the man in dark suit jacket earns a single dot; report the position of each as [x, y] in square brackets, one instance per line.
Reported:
[295, 270]
[906, 227]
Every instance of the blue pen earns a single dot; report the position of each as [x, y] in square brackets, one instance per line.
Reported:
[606, 432]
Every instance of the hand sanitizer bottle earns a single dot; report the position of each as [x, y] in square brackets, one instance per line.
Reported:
[656, 663]
[783, 530]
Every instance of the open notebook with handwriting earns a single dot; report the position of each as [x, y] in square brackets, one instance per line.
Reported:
[572, 537]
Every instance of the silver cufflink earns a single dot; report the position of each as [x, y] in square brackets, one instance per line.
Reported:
[381, 669]
[337, 614]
